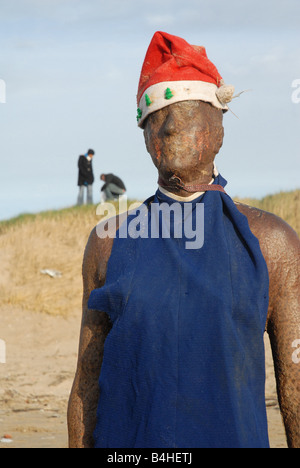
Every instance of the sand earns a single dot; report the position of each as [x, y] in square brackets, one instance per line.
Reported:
[36, 380]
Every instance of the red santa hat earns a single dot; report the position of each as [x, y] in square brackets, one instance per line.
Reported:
[175, 71]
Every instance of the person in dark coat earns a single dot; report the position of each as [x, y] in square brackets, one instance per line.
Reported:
[85, 177]
[113, 187]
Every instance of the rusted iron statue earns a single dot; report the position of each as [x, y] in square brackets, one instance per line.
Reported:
[183, 139]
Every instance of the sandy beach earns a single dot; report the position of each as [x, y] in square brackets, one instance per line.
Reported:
[36, 380]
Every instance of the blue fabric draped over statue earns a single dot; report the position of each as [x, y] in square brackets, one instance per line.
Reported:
[184, 362]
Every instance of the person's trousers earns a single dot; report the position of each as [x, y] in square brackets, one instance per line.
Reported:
[80, 199]
[112, 191]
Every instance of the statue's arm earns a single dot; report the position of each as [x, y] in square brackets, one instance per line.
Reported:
[94, 329]
[283, 326]
[280, 246]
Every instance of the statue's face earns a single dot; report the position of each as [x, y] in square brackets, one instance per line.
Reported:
[184, 138]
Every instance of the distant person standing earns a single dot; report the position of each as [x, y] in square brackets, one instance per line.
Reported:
[85, 177]
[113, 187]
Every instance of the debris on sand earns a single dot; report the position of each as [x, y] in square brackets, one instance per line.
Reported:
[52, 273]
[6, 439]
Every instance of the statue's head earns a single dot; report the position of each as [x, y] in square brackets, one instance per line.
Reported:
[181, 101]
[184, 138]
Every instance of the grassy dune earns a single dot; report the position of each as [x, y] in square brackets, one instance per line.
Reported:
[50, 240]
[56, 240]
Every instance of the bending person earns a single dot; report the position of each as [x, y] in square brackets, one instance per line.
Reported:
[113, 187]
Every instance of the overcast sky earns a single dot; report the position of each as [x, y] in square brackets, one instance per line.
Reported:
[71, 69]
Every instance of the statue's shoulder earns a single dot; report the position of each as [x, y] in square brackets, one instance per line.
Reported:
[276, 237]
[99, 246]
[98, 250]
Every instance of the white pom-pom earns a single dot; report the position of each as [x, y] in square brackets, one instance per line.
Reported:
[225, 93]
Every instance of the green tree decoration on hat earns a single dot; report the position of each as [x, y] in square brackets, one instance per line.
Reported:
[168, 94]
[148, 100]
[139, 114]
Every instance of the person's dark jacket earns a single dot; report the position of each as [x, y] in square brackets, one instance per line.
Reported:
[113, 179]
[86, 175]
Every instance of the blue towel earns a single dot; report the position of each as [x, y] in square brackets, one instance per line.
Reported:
[184, 362]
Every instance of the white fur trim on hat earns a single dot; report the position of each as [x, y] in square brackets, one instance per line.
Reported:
[163, 94]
